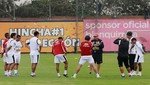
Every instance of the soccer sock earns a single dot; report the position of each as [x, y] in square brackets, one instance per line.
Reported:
[75, 75]
[6, 72]
[122, 74]
[97, 75]
[15, 71]
[9, 72]
[58, 74]
[65, 71]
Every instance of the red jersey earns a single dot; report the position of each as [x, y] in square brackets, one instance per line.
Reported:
[86, 48]
[58, 47]
[4, 45]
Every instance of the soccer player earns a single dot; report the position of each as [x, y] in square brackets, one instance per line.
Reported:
[10, 53]
[132, 52]
[17, 54]
[4, 45]
[34, 44]
[139, 59]
[123, 45]
[59, 51]
[86, 56]
[97, 52]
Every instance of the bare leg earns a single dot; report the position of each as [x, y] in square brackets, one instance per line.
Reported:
[34, 65]
[98, 67]
[91, 69]
[66, 65]
[57, 67]
[140, 66]
[78, 68]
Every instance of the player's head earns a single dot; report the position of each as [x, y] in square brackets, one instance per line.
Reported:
[36, 34]
[60, 38]
[13, 35]
[129, 34]
[87, 38]
[18, 38]
[95, 36]
[133, 40]
[7, 35]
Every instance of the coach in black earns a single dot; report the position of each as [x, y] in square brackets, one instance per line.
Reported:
[97, 51]
[123, 46]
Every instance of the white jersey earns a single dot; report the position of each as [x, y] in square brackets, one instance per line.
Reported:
[34, 44]
[132, 51]
[139, 49]
[18, 47]
[11, 42]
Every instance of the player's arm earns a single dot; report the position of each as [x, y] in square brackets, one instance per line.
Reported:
[40, 45]
[101, 44]
[27, 44]
[63, 47]
[140, 47]
[117, 41]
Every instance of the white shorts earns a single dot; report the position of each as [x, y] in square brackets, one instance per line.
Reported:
[85, 59]
[5, 58]
[60, 58]
[17, 58]
[35, 58]
[10, 58]
[139, 59]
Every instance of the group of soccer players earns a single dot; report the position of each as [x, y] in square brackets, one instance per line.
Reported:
[91, 52]
[131, 53]
[11, 53]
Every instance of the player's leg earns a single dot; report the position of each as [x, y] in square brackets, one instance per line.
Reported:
[140, 69]
[94, 57]
[64, 59]
[91, 62]
[81, 62]
[131, 61]
[16, 69]
[99, 61]
[5, 69]
[127, 66]
[120, 64]
[34, 61]
[12, 63]
[57, 70]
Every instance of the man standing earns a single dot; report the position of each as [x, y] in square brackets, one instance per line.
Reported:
[132, 52]
[59, 51]
[139, 59]
[97, 51]
[17, 54]
[86, 56]
[35, 46]
[10, 53]
[5, 58]
[123, 55]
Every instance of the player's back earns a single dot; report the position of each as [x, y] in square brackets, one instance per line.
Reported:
[34, 47]
[58, 47]
[86, 48]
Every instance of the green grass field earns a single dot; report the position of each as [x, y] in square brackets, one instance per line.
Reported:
[46, 74]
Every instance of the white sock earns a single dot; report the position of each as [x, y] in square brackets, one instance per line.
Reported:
[58, 74]
[6, 72]
[65, 71]
[97, 75]
[32, 73]
[122, 74]
[75, 75]
[15, 71]
[140, 72]
[9, 72]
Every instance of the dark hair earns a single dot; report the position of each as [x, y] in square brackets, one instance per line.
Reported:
[12, 35]
[6, 35]
[18, 36]
[133, 39]
[87, 38]
[129, 33]
[36, 33]
[60, 37]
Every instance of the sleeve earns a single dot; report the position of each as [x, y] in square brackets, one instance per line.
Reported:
[27, 42]
[39, 42]
[102, 44]
[117, 41]
[139, 45]
[63, 46]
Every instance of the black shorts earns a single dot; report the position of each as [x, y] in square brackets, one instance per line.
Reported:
[97, 58]
[122, 60]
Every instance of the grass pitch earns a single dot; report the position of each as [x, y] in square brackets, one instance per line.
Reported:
[46, 74]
